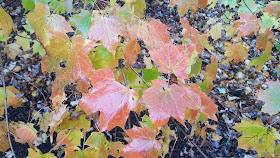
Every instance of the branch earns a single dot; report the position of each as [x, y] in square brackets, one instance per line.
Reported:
[140, 76]
[6, 108]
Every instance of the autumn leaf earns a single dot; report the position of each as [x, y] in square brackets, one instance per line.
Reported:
[172, 59]
[138, 7]
[79, 122]
[25, 131]
[99, 142]
[37, 153]
[263, 58]
[42, 22]
[106, 29]
[256, 135]
[4, 144]
[271, 98]
[130, 51]
[154, 34]
[164, 101]
[248, 25]
[211, 71]
[273, 8]
[184, 5]
[113, 100]
[70, 138]
[6, 23]
[203, 103]
[85, 23]
[236, 52]
[143, 143]
[191, 36]
[216, 31]
[248, 6]
[12, 98]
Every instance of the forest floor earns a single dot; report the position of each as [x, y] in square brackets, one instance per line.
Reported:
[234, 89]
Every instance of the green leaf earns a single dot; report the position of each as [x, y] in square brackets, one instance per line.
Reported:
[231, 3]
[54, 4]
[151, 74]
[248, 7]
[101, 58]
[84, 25]
[271, 98]
[2, 38]
[28, 5]
[256, 135]
[262, 59]
[267, 22]
[28, 27]
[148, 121]
[196, 68]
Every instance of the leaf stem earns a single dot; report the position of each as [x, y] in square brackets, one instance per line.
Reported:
[124, 78]
[6, 106]
[140, 76]
[81, 18]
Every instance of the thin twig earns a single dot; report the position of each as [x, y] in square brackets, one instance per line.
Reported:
[31, 145]
[124, 78]
[188, 138]
[140, 76]
[247, 6]
[6, 106]
[58, 7]
[81, 18]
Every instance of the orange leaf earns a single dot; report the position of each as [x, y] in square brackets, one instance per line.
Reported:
[143, 143]
[107, 30]
[236, 52]
[12, 99]
[172, 59]
[112, 99]
[250, 24]
[164, 101]
[130, 52]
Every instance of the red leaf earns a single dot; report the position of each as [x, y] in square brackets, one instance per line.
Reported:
[112, 99]
[201, 101]
[250, 24]
[143, 143]
[154, 34]
[172, 59]
[164, 101]
[107, 30]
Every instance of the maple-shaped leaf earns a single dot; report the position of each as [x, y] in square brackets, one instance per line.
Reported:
[256, 135]
[130, 51]
[112, 99]
[191, 36]
[263, 58]
[6, 23]
[271, 98]
[236, 52]
[138, 7]
[70, 138]
[248, 6]
[273, 8]
[154, 34]
[37, 153]
[143, 143]
[185, 5]
[76, 152]
[172, 59]
[12, 98]
[99, 141]
[264, 39]
[42, 22]
[84, 24]
[211, 71]
[164, 101]
[203, 103]
[248, 24]
[216, 31]
[80, 62]
[79, 122]
[4, 144]
[106, 29]
[25, 131]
